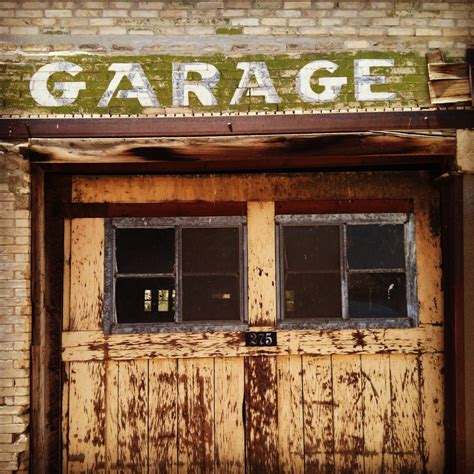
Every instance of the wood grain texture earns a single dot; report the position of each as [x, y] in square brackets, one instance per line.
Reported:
[376, 413]
[431, 367]
[94, 345]
[112, 415]
[229, 423]
[133, 415]
[86, 451]
[448, 91]
[67, 275]
[406, 416]
[163, 415]
[196, 415]
[438, 71]
[348, 414]
[87, 274]
[290, 414]
[65, 416]
[318, 414]
[261, 415]
[261, 263]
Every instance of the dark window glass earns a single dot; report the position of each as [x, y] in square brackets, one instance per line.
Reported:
[310, 248]
[311, 264]
[145, 300]
[375, 246]
[210, 250]
[211, 298]
[145, 250]
[377, 295]
[313, 295]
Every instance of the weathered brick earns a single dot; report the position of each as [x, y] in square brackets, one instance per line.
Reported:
[314, 31]
[244, 21]
[24, 30]
[58, 13]
[428, 32]
[401, 31]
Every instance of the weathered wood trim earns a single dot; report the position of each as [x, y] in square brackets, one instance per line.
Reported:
[166, 209]
[48, 192]
[453, 284]
[94, 345]
[344, 206]
[234, 124]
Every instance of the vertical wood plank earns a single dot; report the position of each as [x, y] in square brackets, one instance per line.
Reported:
[261, 263]
[111, 415]
[290, 414]
[67, 274]
[348, 429]
[196, 415]
[87, 274]
[229, 425]
[163, 415]
[432, 392]
[261, 408]
[318, 414]
[65, 416]
[133, 415]
[87, 417]
[406, 416]
[377, 413]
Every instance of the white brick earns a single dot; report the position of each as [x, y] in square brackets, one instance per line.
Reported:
[58, 13]
[256, 30]
[244, 21]
[401, 31]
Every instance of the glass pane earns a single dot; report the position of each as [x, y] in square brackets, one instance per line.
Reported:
[313, 295]
[211, 250]
[145, 250]
[310, 248]
[144, 300]
[377, 295]
[211, 298]
[375, 246]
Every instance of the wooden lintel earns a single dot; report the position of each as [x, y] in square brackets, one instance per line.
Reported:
[233, 125]
[167, 155]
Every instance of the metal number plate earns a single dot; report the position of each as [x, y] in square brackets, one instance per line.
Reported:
[260, 339]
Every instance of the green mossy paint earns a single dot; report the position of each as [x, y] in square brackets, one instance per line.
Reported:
[408, 78]
[229, 31]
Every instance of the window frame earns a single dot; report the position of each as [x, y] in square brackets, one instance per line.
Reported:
[344, 322]
[110, 323]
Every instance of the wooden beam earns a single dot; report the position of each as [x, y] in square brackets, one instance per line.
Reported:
[167, 155]
[232, 125]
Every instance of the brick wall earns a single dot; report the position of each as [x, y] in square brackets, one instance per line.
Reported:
[15, 308]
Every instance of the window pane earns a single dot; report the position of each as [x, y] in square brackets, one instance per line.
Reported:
[312, 295]
[210, 250]
[211, 298]
[311, 248]
[375, 246]
[377, 295]
[145, 300]
[145, 250]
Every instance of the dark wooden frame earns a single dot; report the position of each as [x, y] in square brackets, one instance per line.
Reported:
[51, 202]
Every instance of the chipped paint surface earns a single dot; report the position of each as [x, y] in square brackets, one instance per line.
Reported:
[214, 83]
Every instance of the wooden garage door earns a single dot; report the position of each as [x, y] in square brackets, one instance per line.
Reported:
[320, 401]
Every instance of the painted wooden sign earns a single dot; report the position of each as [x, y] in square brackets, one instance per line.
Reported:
[136, 84]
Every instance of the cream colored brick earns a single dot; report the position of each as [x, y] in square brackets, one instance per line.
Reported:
[200, 30]
[6, 438]
[27, 13]
[413, 22]
[244, 21]
[288, 13]
[372, 31]
[12, 428]
[386, 21]
[435, 6]
[151, 5]
[115, 13]
[314, 31]
[84, 31]
[455, 32]
[101, 21]
[401, 31]
[440, 44]
[57, 13]
[443, 23]
[144, 13]
[345, 13]
[428, 32]
[274, 21]
[324, 5]
[301, 22]
[141, 32]
[256, 30]
[371, 14]
[331, 21]
[24, 30]
[343, 30]
[296, 5]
